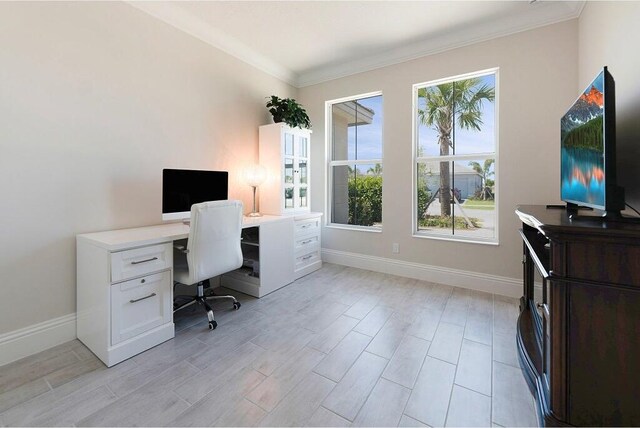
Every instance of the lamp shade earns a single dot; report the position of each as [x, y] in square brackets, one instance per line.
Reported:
[254, 175]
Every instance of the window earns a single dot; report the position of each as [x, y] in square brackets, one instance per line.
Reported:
[355, 161]
[455, 192]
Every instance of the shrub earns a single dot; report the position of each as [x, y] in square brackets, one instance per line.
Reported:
[446, 222]
[365, 199]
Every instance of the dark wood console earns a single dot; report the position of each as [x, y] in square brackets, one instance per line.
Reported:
[579, 326]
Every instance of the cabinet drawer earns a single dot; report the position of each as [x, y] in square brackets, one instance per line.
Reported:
[306, 259]
[307, 227]
[140, 261]
[306, 243]
[139, 305]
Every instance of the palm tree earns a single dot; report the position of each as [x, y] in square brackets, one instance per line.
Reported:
[460, 101]
[484, 171]
[375, 170]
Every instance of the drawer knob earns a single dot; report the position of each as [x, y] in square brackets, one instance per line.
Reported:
[142, 298]
[144, 261]
[143, 281]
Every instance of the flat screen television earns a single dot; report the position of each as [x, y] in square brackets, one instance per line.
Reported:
[182, 188]
[588, 155]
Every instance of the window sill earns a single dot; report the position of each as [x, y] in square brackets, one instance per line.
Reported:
[354, 228]
[464, 240]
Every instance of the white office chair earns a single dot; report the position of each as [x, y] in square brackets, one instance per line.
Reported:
[213, 248]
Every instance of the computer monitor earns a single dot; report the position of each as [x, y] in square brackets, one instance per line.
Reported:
[182, 188]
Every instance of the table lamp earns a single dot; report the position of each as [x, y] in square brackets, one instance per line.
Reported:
[254, 176]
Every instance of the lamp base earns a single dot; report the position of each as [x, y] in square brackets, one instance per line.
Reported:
[254, 214]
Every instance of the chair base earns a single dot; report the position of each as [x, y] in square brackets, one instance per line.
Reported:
[201, 299]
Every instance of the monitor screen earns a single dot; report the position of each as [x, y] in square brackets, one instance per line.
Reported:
[182, 188]
[583, 148]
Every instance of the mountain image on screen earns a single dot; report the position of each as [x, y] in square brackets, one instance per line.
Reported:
[582, 136]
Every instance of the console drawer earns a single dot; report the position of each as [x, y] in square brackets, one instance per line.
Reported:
[140, 261]
[139, 305]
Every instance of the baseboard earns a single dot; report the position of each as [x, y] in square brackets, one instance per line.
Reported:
[35, 338]
[502, 285]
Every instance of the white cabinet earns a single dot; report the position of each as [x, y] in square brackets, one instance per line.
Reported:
[306, 244]
[268, 246]
[284, 152]
[124, 296]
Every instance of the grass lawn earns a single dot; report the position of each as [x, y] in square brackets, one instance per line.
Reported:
[479, 204]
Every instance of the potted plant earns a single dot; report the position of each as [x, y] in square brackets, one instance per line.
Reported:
[287, 110]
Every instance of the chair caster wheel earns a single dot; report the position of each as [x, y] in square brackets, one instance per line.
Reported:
[236, 305]
[213, 325]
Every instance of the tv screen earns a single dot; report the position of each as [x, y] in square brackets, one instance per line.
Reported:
[584, 161]
[182, 188]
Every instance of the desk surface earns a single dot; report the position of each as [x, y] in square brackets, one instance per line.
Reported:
[117, 240]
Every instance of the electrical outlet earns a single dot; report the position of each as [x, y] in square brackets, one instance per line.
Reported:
[395, 248]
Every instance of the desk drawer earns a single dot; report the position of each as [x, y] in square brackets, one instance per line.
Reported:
[306, 227]
[140, 261]
[306, 243]
[140, 305]
[306, 259]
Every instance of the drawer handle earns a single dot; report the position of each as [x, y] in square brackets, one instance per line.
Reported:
[142, 298]
[144, 261]
[307, 257]
[306, 242]
[304, 226]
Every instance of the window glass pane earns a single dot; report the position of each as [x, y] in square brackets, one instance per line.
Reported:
[357, 195]
[303, 197]
[288, 144]
[288, 197]
[456, 117]
[474, 184]
[357, 129]
[302, 147]
[474, 130]
[302, 167]
[467, 209]
[288, 170]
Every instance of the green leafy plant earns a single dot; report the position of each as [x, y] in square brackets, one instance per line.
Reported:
[447, 222]
[365, 199]
[288, 110]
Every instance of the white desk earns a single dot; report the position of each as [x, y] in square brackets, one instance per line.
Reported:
[125, 278]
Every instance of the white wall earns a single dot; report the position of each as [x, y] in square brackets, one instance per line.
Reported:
[609, 33]
[95, 99]
[538, 72]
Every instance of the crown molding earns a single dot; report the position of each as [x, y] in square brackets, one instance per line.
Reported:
[542, 14]
[546, 15]
[177, 17]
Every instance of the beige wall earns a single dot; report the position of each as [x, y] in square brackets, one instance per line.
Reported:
[608, 35]
[95, 99]
[538, 73]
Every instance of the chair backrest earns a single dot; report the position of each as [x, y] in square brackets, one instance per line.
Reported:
[214, 239]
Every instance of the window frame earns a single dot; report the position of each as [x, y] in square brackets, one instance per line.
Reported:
[422, 234]
[330, 163]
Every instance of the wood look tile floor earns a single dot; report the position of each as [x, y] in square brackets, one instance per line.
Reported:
[339, 347]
